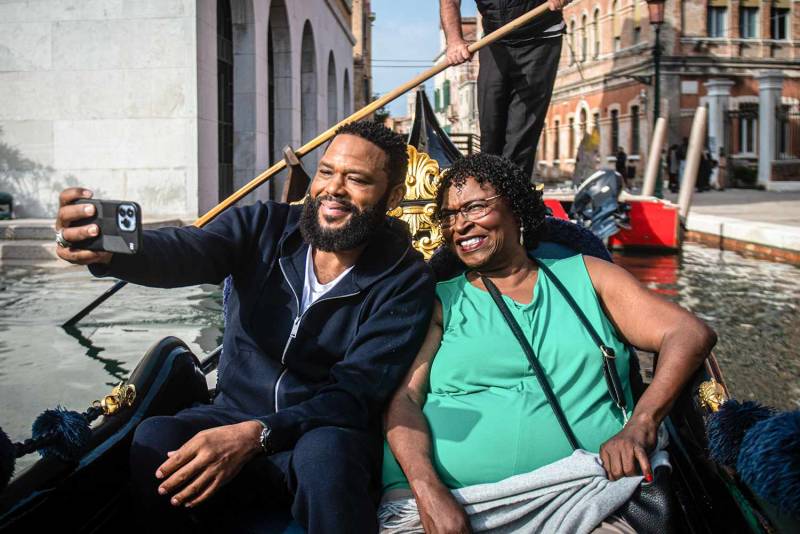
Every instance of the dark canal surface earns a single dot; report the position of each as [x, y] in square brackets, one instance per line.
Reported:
[753, 305]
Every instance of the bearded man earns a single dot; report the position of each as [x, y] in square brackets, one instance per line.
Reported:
[329, 307]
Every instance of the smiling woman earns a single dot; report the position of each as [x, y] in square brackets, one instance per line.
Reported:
[477, 408]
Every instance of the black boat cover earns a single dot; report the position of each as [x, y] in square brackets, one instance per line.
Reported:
[427, 135]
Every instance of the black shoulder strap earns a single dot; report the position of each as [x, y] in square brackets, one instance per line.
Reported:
[609, 368]
[537, 368]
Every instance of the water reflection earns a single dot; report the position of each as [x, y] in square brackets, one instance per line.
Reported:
[753, 305]
[113, 367]
[43, 365]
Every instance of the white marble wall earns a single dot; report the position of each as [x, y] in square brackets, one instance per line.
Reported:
[121, 96]
[251, 18]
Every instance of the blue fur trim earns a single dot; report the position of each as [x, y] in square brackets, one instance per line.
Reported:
[71, 433]
[726, 427]
[769, 461]
[7, 459]
[577, 238]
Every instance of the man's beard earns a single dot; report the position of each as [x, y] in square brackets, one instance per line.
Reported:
[361, 226]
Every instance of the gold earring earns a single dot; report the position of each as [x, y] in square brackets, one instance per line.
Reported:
[522, 236]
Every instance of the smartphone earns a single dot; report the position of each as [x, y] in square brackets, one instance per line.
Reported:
[120, 224]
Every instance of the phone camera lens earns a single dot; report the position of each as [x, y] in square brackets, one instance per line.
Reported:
[121, 211]
[130, 212]
[126, 222]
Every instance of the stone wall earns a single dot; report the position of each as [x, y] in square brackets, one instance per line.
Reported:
[101, 94]
[121, 96]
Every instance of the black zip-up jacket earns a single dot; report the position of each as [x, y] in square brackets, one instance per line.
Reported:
[334, 365]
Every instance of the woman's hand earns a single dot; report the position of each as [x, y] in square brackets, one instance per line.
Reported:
[630, 446]
[440, 513]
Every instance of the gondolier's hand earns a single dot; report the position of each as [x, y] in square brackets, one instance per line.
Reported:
[556, 5]
[631, 446]
[207, 461]
[68, 214]
[439, 512]
[458, 52]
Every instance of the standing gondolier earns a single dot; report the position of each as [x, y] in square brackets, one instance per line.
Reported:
[516, 76]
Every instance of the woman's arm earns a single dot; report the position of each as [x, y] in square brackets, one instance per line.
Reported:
[410, 440]
[648, 322]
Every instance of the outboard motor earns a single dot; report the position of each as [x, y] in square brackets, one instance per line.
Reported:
[596, 205]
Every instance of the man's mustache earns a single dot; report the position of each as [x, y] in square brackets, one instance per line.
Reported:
[346, 204]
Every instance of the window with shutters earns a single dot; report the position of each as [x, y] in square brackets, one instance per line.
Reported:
[634, 130]
[446, 94]
[779, 23]
[616, 25]
[572, 43]
[584, 39]
[748, 22]
[571, 140]
[717, 17]
[748, 128]
[556, 141]
[614, 130]
[596, 33]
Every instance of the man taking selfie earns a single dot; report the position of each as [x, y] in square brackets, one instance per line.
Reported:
[329, 306]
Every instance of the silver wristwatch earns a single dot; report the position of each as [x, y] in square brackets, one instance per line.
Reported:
[264, 438]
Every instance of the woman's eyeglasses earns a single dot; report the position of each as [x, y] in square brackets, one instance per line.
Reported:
[471, 211]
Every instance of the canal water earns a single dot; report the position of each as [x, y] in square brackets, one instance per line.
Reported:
[753, 305]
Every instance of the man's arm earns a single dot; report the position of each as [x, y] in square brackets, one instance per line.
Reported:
[450, 14]
[169, 257]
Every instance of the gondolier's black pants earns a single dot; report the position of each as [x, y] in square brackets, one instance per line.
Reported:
[329, 481]
[515, 84]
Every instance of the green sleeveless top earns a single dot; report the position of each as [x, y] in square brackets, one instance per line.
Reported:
[488, 417]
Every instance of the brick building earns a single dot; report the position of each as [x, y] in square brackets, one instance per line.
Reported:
[362, 19]
[739, 57]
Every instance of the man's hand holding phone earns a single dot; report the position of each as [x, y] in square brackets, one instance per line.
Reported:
[68, 214]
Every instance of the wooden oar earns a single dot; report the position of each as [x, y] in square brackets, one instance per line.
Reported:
[325, 136]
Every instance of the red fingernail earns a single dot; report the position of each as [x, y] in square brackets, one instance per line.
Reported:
[648, 477]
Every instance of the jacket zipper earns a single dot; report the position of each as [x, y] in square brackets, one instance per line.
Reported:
[296, 327]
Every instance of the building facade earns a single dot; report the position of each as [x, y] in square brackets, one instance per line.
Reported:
[362, 19]
[455, 90]
[739, 57]
[171, 103]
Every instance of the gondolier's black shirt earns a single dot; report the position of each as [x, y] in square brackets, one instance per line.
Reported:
[497, 13]
[337, 363]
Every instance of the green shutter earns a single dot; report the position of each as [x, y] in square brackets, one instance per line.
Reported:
[446, 89]
[437, 99]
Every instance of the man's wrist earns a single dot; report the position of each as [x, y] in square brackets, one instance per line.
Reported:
[264, 437]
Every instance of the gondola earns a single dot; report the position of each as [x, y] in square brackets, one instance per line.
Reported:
[91, 493]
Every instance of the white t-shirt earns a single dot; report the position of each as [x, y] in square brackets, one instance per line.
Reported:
[312, 289]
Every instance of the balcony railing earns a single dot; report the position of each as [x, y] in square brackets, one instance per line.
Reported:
[467, 143]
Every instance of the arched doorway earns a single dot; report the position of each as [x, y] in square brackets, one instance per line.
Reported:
[308, 93]
[225, 98]
[333, 96]
[347, 104]
[279, 92]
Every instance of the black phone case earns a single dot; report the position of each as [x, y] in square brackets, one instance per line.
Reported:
[114, 237]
